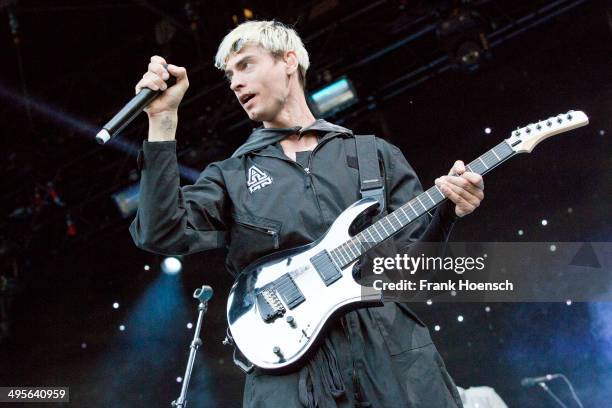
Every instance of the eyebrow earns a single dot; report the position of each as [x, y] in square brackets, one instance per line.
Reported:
[228, 73]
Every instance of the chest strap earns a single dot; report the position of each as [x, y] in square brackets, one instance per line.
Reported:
[371, 183]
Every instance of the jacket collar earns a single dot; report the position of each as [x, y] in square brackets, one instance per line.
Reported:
[262, 137]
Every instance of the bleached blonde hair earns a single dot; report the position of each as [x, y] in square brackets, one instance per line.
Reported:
[273, 36]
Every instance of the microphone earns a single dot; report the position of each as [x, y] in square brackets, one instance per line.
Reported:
[129, 112]
[531, 381]
[203, 294]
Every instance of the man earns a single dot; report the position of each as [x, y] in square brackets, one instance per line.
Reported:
[281, 189]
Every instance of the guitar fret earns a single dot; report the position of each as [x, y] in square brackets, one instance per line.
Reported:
[376, 230]
[365, 242]
[344, 254]
[405, 213]
[371, 236]
[337, 255]
[420, 202]
[362, 246]
[416, 214]
[349, 249]
[432, 200]
[488, 160]
[383, 227]
[399, 222]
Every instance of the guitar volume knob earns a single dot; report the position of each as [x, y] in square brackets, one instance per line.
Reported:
[291, 321]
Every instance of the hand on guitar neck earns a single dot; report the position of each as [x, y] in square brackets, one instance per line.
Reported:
[464, 188]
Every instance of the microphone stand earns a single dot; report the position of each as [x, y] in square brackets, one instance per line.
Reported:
[203, 294]
[552, 394]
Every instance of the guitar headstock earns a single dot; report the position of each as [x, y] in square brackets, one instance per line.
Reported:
[525, 139]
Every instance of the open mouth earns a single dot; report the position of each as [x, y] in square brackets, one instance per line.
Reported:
[246, 98]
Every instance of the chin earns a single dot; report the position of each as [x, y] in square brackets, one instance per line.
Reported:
[258, 116]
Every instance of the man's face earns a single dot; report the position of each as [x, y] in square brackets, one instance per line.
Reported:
[259, 81]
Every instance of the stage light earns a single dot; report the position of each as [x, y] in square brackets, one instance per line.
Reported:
[189, 325]
[248, 13]
[568, 302]
[126, 200]
[459, 318]
[462, 35]
[147, 267]
[122, 328]
[115, 305]
[487, 309]
[553, 248]
[179, 379]
[83, 346]
[488, 131]
[521, 232]
[602, 132]
[333, 98]
[544, 222]
[171, 265]
[429, 302]
[437, 327]
[570, 210]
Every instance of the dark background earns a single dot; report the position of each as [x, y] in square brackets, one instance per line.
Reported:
[68, 66]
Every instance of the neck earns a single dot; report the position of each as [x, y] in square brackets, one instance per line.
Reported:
[295, 112]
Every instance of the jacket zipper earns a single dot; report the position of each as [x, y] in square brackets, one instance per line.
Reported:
[307, 169]
[268, 231]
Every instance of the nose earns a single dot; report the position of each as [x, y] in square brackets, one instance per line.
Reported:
[237, 83]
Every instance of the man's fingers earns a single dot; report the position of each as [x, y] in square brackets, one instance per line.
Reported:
[463, 194]
[159, 70]
[474, 178]
[457, 169]
[151, 81]
[462, 206]
[460, 183]
[180, 73]
[158, 60]
[155, 79]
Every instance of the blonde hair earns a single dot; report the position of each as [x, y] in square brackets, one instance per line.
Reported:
[273, 36]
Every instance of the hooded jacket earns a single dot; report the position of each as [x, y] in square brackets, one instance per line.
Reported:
[259, 201]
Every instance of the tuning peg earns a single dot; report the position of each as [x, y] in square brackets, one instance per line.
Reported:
[559, 120]
[569, 116]
[548, 123]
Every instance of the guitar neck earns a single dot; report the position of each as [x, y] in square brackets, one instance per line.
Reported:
[391, 224]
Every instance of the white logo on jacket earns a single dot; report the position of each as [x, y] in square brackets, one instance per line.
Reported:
[257, 179]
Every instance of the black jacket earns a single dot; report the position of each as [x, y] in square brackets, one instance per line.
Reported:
[259, 201]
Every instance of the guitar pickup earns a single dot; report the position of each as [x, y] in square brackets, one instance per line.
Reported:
[288, 291]
[326, 268]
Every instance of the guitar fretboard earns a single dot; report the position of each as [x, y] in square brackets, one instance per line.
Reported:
[389, 225]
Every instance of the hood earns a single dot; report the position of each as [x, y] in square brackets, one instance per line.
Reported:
[262, 137]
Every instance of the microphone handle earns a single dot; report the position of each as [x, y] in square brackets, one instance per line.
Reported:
[126, 115]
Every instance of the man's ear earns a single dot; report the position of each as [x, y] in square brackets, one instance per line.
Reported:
[291, 62]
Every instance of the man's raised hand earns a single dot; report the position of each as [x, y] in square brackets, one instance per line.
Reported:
[156, 78]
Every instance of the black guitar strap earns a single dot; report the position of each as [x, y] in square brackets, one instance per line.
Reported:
[371, 183]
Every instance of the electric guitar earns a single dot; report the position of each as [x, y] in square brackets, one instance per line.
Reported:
[278, 306]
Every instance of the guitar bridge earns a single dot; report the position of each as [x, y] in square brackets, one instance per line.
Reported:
[269, 305]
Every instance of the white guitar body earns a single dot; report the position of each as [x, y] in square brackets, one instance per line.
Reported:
[280, 343]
